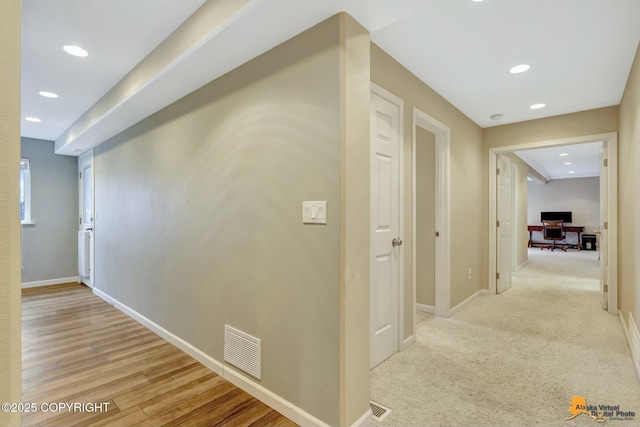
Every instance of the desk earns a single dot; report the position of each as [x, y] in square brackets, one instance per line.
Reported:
[566, 229]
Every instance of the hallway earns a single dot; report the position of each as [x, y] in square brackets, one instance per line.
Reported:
[517, 358]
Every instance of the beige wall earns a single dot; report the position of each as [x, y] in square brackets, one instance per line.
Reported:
[591, 122]
[628, 197]
[354, 230]
[199, 217]
[10, 363]
[425, 217]
[468, 190]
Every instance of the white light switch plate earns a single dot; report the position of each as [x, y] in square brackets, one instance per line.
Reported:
[314, 212]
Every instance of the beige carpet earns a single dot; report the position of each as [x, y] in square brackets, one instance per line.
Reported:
[516, 359]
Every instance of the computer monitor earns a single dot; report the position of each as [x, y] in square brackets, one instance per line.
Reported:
[555, 216]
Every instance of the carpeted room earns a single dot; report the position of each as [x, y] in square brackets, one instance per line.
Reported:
[517, 358]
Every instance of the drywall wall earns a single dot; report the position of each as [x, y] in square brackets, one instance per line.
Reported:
[10, 354]
[469, 195]
[581, 196]
[591, 122]
[199, 215]
[425, 217]
[628, 197]
[50, 245]
[355, 173]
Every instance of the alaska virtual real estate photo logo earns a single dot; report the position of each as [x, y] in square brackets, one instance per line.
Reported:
[599, 413]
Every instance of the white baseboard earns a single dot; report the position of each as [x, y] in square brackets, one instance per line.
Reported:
[366, 420]
[466, 302]
[522, 265]
[426, 308]
[633, 340]
[269, 398]
[51, 282]
[192, 351]
[408, 341]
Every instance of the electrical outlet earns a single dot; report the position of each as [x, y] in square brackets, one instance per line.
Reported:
[469, 274]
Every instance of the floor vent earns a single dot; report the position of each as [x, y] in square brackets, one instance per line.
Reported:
[379, 411]
[242, 351]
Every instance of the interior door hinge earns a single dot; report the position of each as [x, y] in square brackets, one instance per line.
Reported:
[80, 175]
[498, 171]
[605, 163]
[497, 276]
[606, 288]
[606, 225]
[497, 223]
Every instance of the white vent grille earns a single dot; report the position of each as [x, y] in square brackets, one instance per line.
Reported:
[242, 351]
[379, 411]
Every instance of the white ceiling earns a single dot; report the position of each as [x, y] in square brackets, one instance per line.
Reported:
[550, 161]
[580, 52]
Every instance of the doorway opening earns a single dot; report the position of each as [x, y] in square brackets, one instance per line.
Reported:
[86, 219]
[431, 223]
[607, 218]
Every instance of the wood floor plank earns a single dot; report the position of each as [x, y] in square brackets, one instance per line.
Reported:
[78, 348]
[125, 418]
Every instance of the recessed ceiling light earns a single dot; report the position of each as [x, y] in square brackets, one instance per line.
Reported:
[48, 94]
[75, 50]
[568, 163]
[563, 154]
[476, 1]
[33, 119]
[519, 68]
[571, 172]
[537, 106]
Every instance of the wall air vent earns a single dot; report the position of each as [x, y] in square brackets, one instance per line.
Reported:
[379, 411]
[242, 351]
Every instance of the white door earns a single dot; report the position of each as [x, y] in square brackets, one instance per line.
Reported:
[385, 228]
[503, 210]
[85, 231]
[604, 234]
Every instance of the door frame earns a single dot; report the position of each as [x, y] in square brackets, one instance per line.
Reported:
[443, 207]
[88, 156]
[611, 139]
[397, 101]
[511, 243]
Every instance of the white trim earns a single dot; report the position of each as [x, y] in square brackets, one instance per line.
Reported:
[443, 210]
[426, 308]
[611, 139]
[408, 341]
[633, 340]
[271, 399]
[466, 302]
[522, 265]
[366, 420]
[192, 351]
[89, 158]
[73, 279]
[385, 94]
[256, 390]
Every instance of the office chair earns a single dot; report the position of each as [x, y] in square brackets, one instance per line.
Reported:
[553, 230]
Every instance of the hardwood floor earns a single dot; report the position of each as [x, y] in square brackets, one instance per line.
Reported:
[76, 348]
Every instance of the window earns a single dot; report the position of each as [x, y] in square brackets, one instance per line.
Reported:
[25, 192]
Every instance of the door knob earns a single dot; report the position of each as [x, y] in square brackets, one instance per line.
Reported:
[396, 242]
